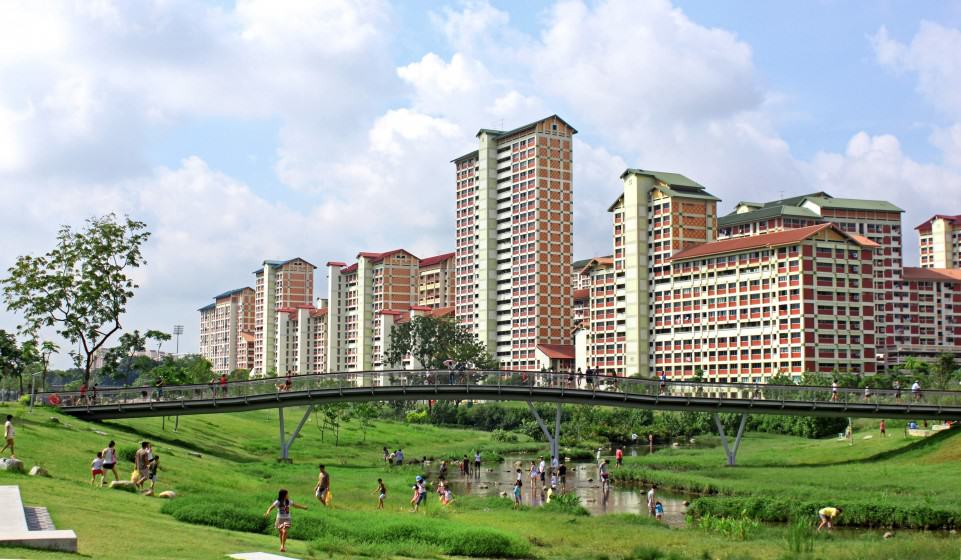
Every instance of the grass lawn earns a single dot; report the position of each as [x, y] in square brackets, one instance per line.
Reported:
[237, 477]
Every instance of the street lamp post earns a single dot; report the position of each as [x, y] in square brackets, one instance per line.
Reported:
[178, 330]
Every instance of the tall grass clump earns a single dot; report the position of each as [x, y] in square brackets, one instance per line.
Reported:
[800, 536]
[737, 528]
[565, 503]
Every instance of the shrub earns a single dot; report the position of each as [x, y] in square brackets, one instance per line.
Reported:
[738, 528]
[800, 536]
[224, 516]
[126, 453]
[504, 436]
[565, 503]
[416, 417]
[24, 400]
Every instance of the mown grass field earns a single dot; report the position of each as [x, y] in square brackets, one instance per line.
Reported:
[237, 477]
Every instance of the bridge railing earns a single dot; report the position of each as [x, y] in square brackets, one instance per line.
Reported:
[560, 381]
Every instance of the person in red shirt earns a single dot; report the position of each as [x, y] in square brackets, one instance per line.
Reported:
[223, 384]
[619, 455]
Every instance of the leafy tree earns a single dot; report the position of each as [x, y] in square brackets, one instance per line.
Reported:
[184, 370]
[331, 416]
[239, 374]
[119, 361]
[943, 371]
[365, 413]
[81, 286]
[432, 340]
[917, 367]
[11, 358]
[159, 337]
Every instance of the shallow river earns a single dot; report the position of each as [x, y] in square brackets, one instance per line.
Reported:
[582, 479]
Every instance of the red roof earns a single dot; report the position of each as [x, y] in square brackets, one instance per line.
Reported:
[393, 312]
[442, 312]
[349, 269]
[247, 336]
[557, 351]
[583, 293]
[955, 220]
[598, 261]
[318, 312]
[377, 257]
[437, 259]
[863, 241]
[775, 239]
[336, 263]
[932, 274]
[421, 308]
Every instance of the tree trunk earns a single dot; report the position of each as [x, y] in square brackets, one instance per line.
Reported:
[86, 370]
[20, 381]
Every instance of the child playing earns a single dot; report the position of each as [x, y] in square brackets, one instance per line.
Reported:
[382, 493]
[517, 492]
[658, 511]
[96, 468]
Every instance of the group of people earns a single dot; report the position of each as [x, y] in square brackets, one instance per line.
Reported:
[146, 465]
[917, 394]
[283, 504]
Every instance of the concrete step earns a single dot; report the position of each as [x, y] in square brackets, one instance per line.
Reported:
[30, 527]
[38, 518]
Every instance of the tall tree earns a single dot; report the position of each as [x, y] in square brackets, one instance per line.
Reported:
[82, 286]
[943, 371]
[432, 340]
[11, 358]
[159, 337]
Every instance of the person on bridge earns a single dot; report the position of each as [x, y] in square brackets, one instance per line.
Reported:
[283, 505]
[916, 390]
[827, 515]
[897, 391]
[834, 391]
[322, 489]
[223, 384]
[9, 433]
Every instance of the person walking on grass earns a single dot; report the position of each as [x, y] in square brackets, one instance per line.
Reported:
[141, 461]
[9, 434]
[827, 515]
[152, 468]
[96, 469]
[110, 460]
[283, 506]
[322, 489]
[381, 493]
[420, 493]
[884, 432]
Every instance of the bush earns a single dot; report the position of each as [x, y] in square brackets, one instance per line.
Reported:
[24, 400]
[504, 436]
[800, 536]
[126, 454]
[738, 528]
[224, 516]
[416, 417]
[857, 514]
[565, 503]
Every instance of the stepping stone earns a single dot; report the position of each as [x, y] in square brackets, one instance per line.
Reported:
[37, 470]
[258, 556]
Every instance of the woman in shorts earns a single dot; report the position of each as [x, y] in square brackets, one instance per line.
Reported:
[283, 505]
[110, 459]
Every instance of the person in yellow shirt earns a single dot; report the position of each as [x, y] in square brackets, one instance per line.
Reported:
[827, 515]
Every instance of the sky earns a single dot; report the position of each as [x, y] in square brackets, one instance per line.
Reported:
[267, 129]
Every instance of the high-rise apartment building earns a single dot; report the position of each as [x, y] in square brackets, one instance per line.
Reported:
[514, 239]
[435, 281]
[279, 284]
[940, 242]
[927, 315]
[302, 339]
[224, 324]
[745, 309]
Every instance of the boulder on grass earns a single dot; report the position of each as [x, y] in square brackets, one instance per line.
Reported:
[54, 419]
[37, 470]
[167, 495]
[11, 465]
[888, 535]
[124, 485]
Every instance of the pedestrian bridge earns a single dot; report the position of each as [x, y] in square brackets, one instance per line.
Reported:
[564, 388]
[529, 387]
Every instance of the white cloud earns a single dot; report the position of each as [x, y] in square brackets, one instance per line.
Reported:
[934, 55]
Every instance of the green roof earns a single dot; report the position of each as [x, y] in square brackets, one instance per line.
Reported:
[854, 204]
[766, 213]
[677, 184]
[493, 132]
[797, 200]
[465, 156]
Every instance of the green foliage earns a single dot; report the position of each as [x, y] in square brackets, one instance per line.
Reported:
[800, 536]
[432, 340]
[24, 400]
[416, 417]
[653, 553]
[80, 287]
[876, 513]
[738, 528]
[225, 516]
[564, 503]
[12, 358]
[365, 413]
[126, 453]
[801, 426]
[503, 436]
[943, 371]
[330, 417]
[185, 370]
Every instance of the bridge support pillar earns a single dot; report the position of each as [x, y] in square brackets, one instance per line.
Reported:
[286, 442]
[730, 452]
[554, 438]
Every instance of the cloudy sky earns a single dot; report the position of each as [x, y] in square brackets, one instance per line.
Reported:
[259, 129]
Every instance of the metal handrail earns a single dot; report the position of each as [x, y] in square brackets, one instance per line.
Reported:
[438, 378]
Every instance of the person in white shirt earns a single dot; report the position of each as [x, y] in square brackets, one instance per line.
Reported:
[9, 434]
[96, 469]
[652, 499]
[110, 460]
[542, 471]
[916, 390]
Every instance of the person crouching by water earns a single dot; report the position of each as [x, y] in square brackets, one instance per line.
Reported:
[283, 505]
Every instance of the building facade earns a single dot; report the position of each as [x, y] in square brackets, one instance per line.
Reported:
[435, 281]
[927, 315]
[225, 325]
[940, 242]
[278, 284]
[742, 310]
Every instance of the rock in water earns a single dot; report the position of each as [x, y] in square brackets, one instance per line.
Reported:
[37, 470]
[11, 465]
[167, 494]
[124, 485]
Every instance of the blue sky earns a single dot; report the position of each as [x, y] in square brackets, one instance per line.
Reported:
[260, 129]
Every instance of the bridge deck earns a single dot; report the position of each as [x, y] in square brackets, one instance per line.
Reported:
[507, 386]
